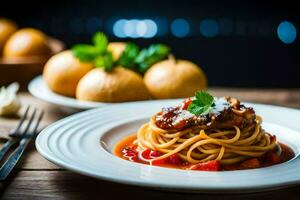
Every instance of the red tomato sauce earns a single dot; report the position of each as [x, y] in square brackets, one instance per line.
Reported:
[125, 149]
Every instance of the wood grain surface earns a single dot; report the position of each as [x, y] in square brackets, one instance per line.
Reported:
[37, 178]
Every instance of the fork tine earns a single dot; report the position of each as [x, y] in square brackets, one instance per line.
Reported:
[16, 130]
[29, 122]
[8, 145]
[32, 133]
[38, 122]
[13, 159]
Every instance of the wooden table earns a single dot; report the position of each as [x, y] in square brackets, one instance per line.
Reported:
[36, 178]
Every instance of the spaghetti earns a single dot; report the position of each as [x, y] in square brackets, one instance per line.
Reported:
[230, 134]
[196, 145]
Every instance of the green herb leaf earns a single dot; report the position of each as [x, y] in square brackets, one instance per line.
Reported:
[105, 61]
[203, 103]
[84, 52]
[96, 53]
[204, 98]
[151, 55]
[100, 42]
[132, 57]
[127, 58]
[197, 109]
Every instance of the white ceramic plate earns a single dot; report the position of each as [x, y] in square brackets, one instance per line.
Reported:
[38, 88]
[84, 143]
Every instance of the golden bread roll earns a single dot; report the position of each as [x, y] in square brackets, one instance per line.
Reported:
[7, 28]
[27, 42]
[63, 71]
[119, 85]
[174, 79]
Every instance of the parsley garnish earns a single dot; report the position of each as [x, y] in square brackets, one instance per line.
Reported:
[96, 53]
[132, 57]
[202, 104]
[101, 42]
[140, 61]
[105, 61]
[85, 52]
[151, 55]
[127, 58]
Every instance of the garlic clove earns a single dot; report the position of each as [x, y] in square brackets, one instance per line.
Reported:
[9, 101]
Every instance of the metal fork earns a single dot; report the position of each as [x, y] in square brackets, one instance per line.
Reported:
[23, 138]
[15, 134]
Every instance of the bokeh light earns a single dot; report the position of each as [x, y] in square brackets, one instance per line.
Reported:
[151, 29]
[129, 28]
[118, 28]
[287, 32]
[180, 28]
[209, 28]
[135, 28]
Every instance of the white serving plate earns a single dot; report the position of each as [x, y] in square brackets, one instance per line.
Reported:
[38, 88]
[84, 142]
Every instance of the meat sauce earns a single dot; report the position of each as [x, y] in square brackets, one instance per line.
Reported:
[227, 112]
[125, 149]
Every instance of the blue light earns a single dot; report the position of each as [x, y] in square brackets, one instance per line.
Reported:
[209, 28]
[129, 28]
[141, 28]
[146, 28]
[287, 32]
[163, 25]
[135, 28]
[151, 28]
[118, 28]
[180, 28]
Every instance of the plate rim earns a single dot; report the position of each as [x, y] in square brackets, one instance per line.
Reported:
[38, 83]
[145, 184]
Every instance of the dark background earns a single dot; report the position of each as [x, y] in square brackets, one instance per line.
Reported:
[246, 52]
